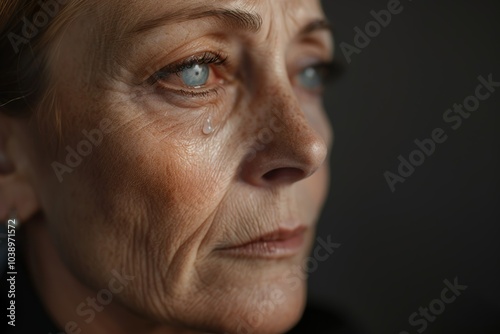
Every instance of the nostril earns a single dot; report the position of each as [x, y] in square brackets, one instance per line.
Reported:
[286, 174]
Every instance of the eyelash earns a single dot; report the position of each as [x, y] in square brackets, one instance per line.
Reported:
[328, 70]
[206, 58]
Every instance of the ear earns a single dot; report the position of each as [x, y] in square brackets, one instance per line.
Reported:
[16, 192]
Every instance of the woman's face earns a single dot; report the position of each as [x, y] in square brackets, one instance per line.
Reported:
[213, 136]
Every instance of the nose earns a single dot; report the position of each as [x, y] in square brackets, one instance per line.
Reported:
[286, 148]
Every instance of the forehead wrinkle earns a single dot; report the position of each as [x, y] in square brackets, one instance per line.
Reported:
[116, 23]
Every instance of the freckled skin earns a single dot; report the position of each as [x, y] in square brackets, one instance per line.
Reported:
[158, 196]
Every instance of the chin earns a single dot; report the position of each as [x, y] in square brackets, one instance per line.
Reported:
[243, 296]
[262, 297]
[272, 308]
[258, 293]
[283, 316]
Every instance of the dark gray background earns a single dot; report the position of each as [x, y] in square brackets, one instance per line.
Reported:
[443, 222]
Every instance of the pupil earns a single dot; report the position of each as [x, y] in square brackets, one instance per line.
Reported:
[196, 75]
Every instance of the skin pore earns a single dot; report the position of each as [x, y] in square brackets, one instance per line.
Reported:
[158, 197]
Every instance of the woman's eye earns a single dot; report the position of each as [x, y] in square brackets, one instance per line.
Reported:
[196, 75]
[311, 79]
[314, 78]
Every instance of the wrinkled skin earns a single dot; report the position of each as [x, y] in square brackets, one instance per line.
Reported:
[158, 196]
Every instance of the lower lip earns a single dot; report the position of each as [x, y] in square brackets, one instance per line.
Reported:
[274, 249]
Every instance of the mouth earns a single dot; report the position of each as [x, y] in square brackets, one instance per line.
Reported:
[278, 244]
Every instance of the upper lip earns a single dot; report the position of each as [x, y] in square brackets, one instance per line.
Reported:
[279, 234]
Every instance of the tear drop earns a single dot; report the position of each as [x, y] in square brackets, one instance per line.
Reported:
[207, 127]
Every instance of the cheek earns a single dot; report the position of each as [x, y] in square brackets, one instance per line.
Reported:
[167, 187]
[136, 204]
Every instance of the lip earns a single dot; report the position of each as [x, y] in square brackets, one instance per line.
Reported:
[277, 244]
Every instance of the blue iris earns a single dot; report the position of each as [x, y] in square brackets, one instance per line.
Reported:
[311, 78]
[195, 75]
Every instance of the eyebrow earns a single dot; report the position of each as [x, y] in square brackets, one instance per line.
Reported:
[233, 18]
[317, 25]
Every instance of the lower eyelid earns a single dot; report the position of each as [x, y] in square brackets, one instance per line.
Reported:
[198, 94]
[201, 94]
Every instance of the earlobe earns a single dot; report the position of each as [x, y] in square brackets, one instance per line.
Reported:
[5, 165]
[16, 193]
